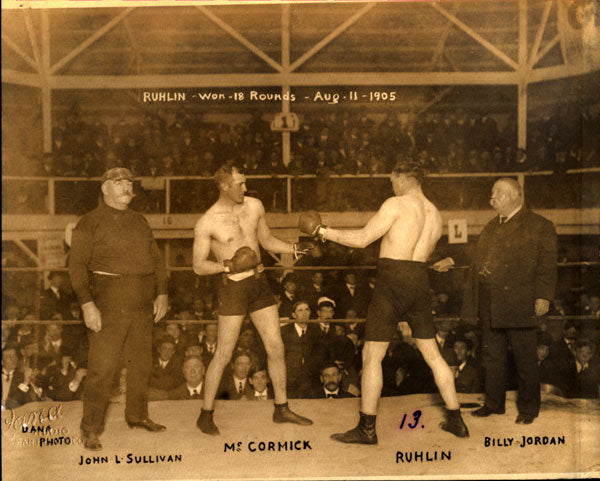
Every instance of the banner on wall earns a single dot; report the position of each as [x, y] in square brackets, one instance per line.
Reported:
[51, 251]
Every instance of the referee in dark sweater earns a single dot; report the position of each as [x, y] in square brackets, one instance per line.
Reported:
[119, 278]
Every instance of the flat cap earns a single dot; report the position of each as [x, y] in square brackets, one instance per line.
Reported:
[117, 173]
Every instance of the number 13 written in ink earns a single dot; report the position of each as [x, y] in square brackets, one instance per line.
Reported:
[415, 423]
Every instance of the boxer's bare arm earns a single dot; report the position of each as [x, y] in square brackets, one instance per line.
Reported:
[202, 266]
[375, 228]
[266, 239]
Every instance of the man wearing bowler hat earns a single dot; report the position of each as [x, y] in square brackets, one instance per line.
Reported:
[118, 275]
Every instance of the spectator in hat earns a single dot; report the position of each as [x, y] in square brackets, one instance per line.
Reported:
[193, 347]
[289, 286]
[55, 298]
[166, 369]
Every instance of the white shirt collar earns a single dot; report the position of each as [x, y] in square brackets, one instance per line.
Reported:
[260, 394]
[55, 290]
[191, 390]
[299, 330]
[462, 365]
[325, 326]
[513, 213]
[331, 393]
[580, 366]
[237, 381]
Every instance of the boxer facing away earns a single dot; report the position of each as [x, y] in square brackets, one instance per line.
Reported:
[232, 229]
[410, 226]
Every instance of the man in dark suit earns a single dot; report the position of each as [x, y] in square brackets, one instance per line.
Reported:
[511, 282]
[236, 385]
[258, 377]
[209, 343]
[55, 298]
[331, 380]
[193, 387]
[11, 376]
[166, 369]
[466, 376]
[297, 349]
[288, 295]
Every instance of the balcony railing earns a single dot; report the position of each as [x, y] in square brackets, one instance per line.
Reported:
[577, 188]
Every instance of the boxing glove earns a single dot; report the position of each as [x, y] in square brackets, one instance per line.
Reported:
[243, 259]
[310, 223]
[306, 247]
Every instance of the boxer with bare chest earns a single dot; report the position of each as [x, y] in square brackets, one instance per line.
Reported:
[409, 226]
[232, 229]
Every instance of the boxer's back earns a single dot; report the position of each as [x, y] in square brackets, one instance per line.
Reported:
[415, 232]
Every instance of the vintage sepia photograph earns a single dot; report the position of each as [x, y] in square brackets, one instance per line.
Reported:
[288, 240]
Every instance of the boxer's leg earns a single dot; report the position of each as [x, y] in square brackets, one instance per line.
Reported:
[372, 376]
[228, 333]
[441, 372]
[266, 321]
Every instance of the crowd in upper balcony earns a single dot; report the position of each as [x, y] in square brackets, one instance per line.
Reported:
[339, 142]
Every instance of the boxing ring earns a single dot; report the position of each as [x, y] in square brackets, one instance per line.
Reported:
[563, 440]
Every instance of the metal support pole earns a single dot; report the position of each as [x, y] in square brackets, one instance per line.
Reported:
[167, 195]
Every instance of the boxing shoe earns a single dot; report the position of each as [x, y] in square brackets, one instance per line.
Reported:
[454, 424]
[310, 223]
[147, 424]
[206, 424]
[283, 414]
[91, 441]
[243, 259]
[364, 433]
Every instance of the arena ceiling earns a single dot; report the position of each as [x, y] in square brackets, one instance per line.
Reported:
[420, 37]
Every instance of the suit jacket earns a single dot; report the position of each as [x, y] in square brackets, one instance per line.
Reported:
[58, 384]
[17, 397]
[319, 393]
[228, 389]
[182, 392]
[468, 380]
[50, 304]
[250, 396]
[521, 258]
[169, 377]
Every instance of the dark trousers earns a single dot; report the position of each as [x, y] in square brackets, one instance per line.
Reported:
[523, 342]
[125, 303]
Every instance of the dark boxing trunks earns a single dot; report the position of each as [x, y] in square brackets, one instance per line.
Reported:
[238, 298]
[401, 294]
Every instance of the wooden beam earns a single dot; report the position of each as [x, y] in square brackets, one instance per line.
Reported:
[74, 82]
[33, 40]
[558, 72]
[475, 36]
[19, 51]
[11, 76]
[90, 40]
[539, 34]
[46, 93]
[28, 252]
[549, 46]
[523, 71]
[240, 38]
[331, 36]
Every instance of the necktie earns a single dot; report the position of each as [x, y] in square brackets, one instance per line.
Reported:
[194, 393]
[262, 397]
[329, 395]
[240, 387]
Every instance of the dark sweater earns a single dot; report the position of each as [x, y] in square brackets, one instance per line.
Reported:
[113, 241]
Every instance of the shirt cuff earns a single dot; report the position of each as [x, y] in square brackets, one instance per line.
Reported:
[24, 387]
[73, 387]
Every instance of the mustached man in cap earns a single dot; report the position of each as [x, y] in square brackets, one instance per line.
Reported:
[118, 275]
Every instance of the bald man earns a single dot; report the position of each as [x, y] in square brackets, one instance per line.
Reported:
[510, 284]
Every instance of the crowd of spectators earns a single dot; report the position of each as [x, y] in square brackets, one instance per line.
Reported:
[323, 358]
[340, 142]
[326, 145]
